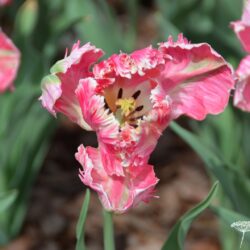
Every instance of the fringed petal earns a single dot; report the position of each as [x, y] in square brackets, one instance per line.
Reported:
[197, 80]
[116, 193]
[59, 87]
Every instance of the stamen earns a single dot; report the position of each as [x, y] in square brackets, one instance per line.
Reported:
[134, 125]
[127, 105]
[139, 117]
[119, 96]
[139, 108]
[136, 118]
[106, 106]
[136, 94]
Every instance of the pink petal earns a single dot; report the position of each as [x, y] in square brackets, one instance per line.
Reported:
[242, 92]
[9, 62]
[242, 28]
[197, 80]
[59, 87]
[5, 2]
[116, 193]
[94, 112]
[140, 62]
[106, 126]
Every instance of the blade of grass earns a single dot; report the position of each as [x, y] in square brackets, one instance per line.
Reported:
[80, 245]
[7, 199]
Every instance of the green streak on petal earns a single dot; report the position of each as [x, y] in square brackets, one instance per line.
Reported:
[58, 67]
[50, 79]
[209, 64]
[4, 53]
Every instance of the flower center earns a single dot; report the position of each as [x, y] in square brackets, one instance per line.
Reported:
[125, 108]
[126, 105]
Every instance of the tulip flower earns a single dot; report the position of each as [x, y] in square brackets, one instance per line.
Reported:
[9, 62]
[128, 100]
[242, 92]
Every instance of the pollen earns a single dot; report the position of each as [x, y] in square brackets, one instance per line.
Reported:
[126, 105]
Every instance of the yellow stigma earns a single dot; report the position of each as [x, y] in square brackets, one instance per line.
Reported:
[126, 105]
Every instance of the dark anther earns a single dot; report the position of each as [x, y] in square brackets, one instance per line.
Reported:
[139, 108]
[119, 96]
[136, 118]
[136, 94]
[106, 106]
[139, 117]
[134, 125]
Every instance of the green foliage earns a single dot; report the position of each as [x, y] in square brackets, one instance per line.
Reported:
[202, 21]
[7, 199]
[80, 245]
[178, 233]
[24, 134]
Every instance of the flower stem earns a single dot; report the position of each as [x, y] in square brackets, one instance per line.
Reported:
[108, 231]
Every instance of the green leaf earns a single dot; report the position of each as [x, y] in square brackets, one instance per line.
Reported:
[178, 233]
[204, 151]
[80, 245]
[7, 199]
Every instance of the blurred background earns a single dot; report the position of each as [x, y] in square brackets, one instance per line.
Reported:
[38, 170]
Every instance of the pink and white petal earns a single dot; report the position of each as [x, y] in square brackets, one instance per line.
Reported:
[242, 27]
[116, 193]
[51, 92]
[94, 112]
[149, 135]
[9, 62]
[197, 79]
[81, 57]
[93, 174]
[246, 12]
[139, 183]
[143, 182]
[145, 61]
[243, 71]
[104, 69]
[52, 101]
[59, 87]
[242, 91]
[110, 159]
